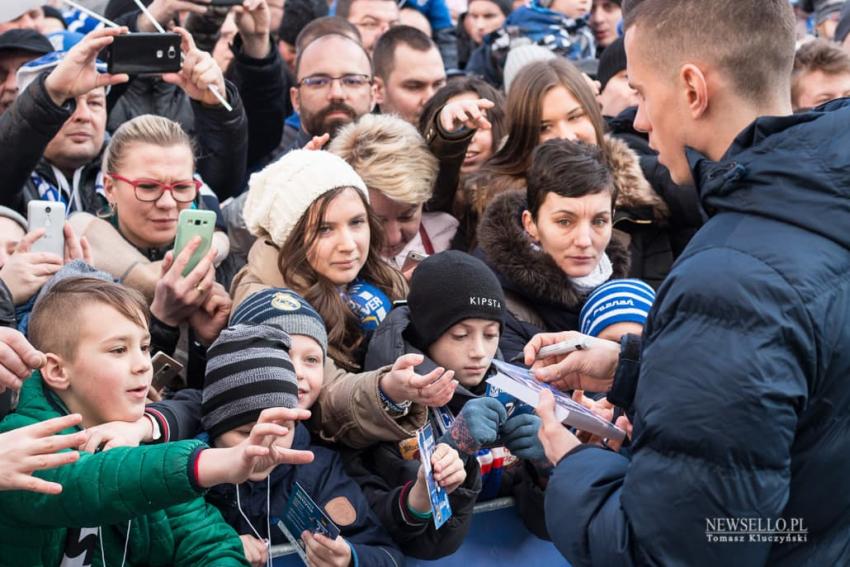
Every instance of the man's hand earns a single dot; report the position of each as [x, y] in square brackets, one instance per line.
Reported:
[25, 272]
[256, 550]
[165, 12]
[471, 114]
[325, 552]
[253, 21]
[317, 142]
[212, 317]
[35, 447]
[257, 454]
[590, 369]
[76, 74]
[477, 425]
[199, 72]
[401, 383]
[18, 358]
[176, 297]
[556, 439]
[118, 434]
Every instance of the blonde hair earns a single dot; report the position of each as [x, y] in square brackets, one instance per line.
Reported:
[390, 156]
[144, 129]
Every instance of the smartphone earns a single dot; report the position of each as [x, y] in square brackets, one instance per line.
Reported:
[192, 223]
[412, 260]
[144, 54]
[226, 2]
[165, 370]
[49, 215]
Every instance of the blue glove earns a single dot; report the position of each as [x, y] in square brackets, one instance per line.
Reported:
[519, 435]
[477, 425]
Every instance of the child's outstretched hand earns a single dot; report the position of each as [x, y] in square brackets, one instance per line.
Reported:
[118, 434]
[256, 550]
[477, 425]
[325, 552]
[449, 472]
[257, 455]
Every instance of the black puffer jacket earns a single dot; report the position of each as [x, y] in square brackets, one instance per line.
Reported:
[540, 297]
[520, 479]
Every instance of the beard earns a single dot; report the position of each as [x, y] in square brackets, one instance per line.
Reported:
[318, 124]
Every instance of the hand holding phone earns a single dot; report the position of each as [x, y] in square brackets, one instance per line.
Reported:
[49, 216]
[192, 223]
[412, 260]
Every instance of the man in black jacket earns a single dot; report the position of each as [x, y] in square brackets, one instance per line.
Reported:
[52, 138]
[740, 452]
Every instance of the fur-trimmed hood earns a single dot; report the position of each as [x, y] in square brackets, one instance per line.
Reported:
[525, 269]
[633, 190]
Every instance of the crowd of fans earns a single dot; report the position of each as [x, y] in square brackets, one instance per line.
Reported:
[405, 192]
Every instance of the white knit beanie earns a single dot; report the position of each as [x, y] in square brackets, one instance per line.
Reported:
[280, 194]
[519, 57]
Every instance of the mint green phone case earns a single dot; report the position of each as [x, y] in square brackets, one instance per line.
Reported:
[192, 223]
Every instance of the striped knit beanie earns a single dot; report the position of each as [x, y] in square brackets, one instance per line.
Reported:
[248, 371]
[617, 301]
[285, 309]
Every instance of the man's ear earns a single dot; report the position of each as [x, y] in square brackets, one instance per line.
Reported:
[380, 92]
[529, 225]
[695, 90]
[293, 97]
[54, 373]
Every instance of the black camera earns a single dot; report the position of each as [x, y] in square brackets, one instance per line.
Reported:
[144, 54]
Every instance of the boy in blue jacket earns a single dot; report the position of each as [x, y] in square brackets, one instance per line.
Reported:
[249, 369]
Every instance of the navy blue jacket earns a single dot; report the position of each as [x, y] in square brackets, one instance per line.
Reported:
[742, 407]
[324, 480]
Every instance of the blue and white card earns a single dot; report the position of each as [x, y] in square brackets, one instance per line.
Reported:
[440, 507]
[302, 513]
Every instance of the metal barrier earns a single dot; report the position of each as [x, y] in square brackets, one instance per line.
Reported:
[496, 537]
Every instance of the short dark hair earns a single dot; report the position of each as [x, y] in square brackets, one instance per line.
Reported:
[343, 7]
[569, 169]
[300, 52]
[817, 55]
[383, 58]
[66, 300]
[752, 41]
[326, 25]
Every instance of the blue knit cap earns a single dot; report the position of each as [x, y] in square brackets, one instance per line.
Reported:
[617, 301]
[284, 309]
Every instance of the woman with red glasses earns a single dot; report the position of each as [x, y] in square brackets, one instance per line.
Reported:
[149, 177]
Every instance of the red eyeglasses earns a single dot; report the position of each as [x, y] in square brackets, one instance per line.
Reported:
[150, 190]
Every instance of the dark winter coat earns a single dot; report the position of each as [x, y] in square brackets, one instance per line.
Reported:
[520, 479]
[539, 296]
[328, 485]
[742, 408]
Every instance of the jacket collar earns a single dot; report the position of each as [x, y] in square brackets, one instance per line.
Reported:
[525, 269]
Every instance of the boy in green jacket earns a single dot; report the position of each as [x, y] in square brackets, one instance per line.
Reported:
[128, 505]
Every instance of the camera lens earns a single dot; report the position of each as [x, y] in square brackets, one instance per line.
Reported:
[197, 222]
[46, 209]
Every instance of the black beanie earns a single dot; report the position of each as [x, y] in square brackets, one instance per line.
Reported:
[613, 61]
[446, 289]
[297, 14]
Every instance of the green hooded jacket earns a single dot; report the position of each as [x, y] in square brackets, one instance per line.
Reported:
[147, 489]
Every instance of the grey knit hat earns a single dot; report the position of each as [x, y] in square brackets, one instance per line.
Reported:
[285, 309]
[248, 371]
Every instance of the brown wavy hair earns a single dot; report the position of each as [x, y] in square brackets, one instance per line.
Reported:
[525, 112]
[344, 333]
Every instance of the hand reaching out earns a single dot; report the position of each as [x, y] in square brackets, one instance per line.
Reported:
[401, 383]
[199, 72]
[471, 114]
